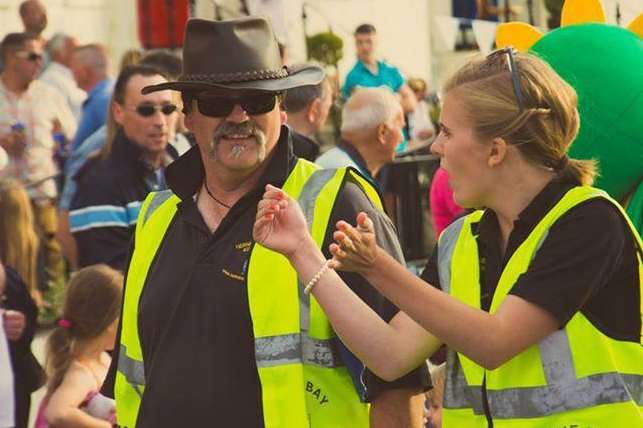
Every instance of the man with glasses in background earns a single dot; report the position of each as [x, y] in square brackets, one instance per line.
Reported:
[215, 330]
[30, 113]
[112, 186]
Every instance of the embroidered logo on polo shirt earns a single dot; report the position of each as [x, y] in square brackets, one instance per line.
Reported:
[243, 247]
[233, 275]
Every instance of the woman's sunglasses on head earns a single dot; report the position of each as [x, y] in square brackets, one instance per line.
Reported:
[513, 69]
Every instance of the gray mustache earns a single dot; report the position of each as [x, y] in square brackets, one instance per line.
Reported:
[231, 128]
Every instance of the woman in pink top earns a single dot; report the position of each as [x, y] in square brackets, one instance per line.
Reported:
[443, 208]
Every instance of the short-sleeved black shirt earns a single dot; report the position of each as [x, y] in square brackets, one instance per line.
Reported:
[587, 262]
[194, 321]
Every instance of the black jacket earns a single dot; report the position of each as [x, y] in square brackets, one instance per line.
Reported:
[105, 207]
[28, 374]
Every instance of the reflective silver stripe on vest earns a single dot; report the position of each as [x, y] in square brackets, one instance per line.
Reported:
[604, 388]
[446, 246]
[564, 392]
[133, 370]
[311, 190]
[296, 349]
[156, 202]
[306, 200]
[457, 394]
[299, 348]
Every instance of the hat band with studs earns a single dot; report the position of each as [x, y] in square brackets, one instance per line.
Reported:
[241, 76]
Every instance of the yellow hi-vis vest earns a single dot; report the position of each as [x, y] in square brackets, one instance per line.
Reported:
[575, 377]
[303, 380]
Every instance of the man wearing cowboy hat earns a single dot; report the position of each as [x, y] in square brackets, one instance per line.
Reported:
[215, 330]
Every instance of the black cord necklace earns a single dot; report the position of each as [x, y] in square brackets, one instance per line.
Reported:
[212, 196]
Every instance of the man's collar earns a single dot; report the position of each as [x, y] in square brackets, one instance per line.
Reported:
[100, 86]
[354, 154]
[186, 174]
[126, 152]
[363, 65]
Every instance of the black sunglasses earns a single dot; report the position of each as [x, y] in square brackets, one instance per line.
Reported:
[513, 68]
[29, 56]
[220, 106]
[147, 110]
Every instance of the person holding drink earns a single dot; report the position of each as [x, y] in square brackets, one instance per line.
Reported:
[536, 292]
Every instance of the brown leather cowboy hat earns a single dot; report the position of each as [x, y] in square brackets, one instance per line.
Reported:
[240, 54]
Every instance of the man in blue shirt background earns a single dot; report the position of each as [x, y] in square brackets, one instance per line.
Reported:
[370, 72]
[90, 66]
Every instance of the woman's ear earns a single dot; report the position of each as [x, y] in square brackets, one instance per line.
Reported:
[497, 151]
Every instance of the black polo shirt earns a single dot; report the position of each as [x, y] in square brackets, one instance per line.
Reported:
[194, 320]
[587, 263]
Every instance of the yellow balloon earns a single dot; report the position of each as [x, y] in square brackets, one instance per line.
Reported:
[521, 36]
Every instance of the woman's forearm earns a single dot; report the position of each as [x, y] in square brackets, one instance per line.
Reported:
[487, 339]
[384, 348]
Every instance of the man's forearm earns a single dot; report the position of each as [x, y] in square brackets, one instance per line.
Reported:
[398, 408]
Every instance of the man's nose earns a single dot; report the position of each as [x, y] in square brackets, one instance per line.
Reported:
[158, 118]
[237, 115]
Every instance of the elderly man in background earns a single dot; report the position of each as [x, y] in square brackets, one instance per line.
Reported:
[58, 73]
[90, 66]
[372, 127]
[30, 113]
[307, 109]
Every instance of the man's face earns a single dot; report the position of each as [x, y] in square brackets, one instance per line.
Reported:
[238, 142]
[35, 18]
[365, 45]
[81, 74]
[150, 132]
[393, 135]
[26, 63]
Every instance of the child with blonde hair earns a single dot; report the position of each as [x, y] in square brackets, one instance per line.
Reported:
[76, 359]
[19, 241]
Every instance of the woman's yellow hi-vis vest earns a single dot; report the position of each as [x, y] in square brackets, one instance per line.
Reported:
[575, 377]
[303, 380]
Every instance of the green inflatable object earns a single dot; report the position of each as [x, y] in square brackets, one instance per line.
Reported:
[604, 64]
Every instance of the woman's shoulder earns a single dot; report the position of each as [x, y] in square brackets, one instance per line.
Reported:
[599, 214]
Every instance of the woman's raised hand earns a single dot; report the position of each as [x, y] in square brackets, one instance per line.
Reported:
[280, 225]
[355, 248]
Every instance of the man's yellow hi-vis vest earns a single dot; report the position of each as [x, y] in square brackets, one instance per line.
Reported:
[575, 377]
[303, 381]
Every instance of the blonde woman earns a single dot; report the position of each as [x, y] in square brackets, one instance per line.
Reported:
[538, 295]
[19, 241]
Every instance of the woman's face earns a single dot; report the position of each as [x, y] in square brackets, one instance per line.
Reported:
[463, 156]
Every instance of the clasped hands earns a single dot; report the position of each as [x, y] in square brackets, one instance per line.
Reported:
[280, 225]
